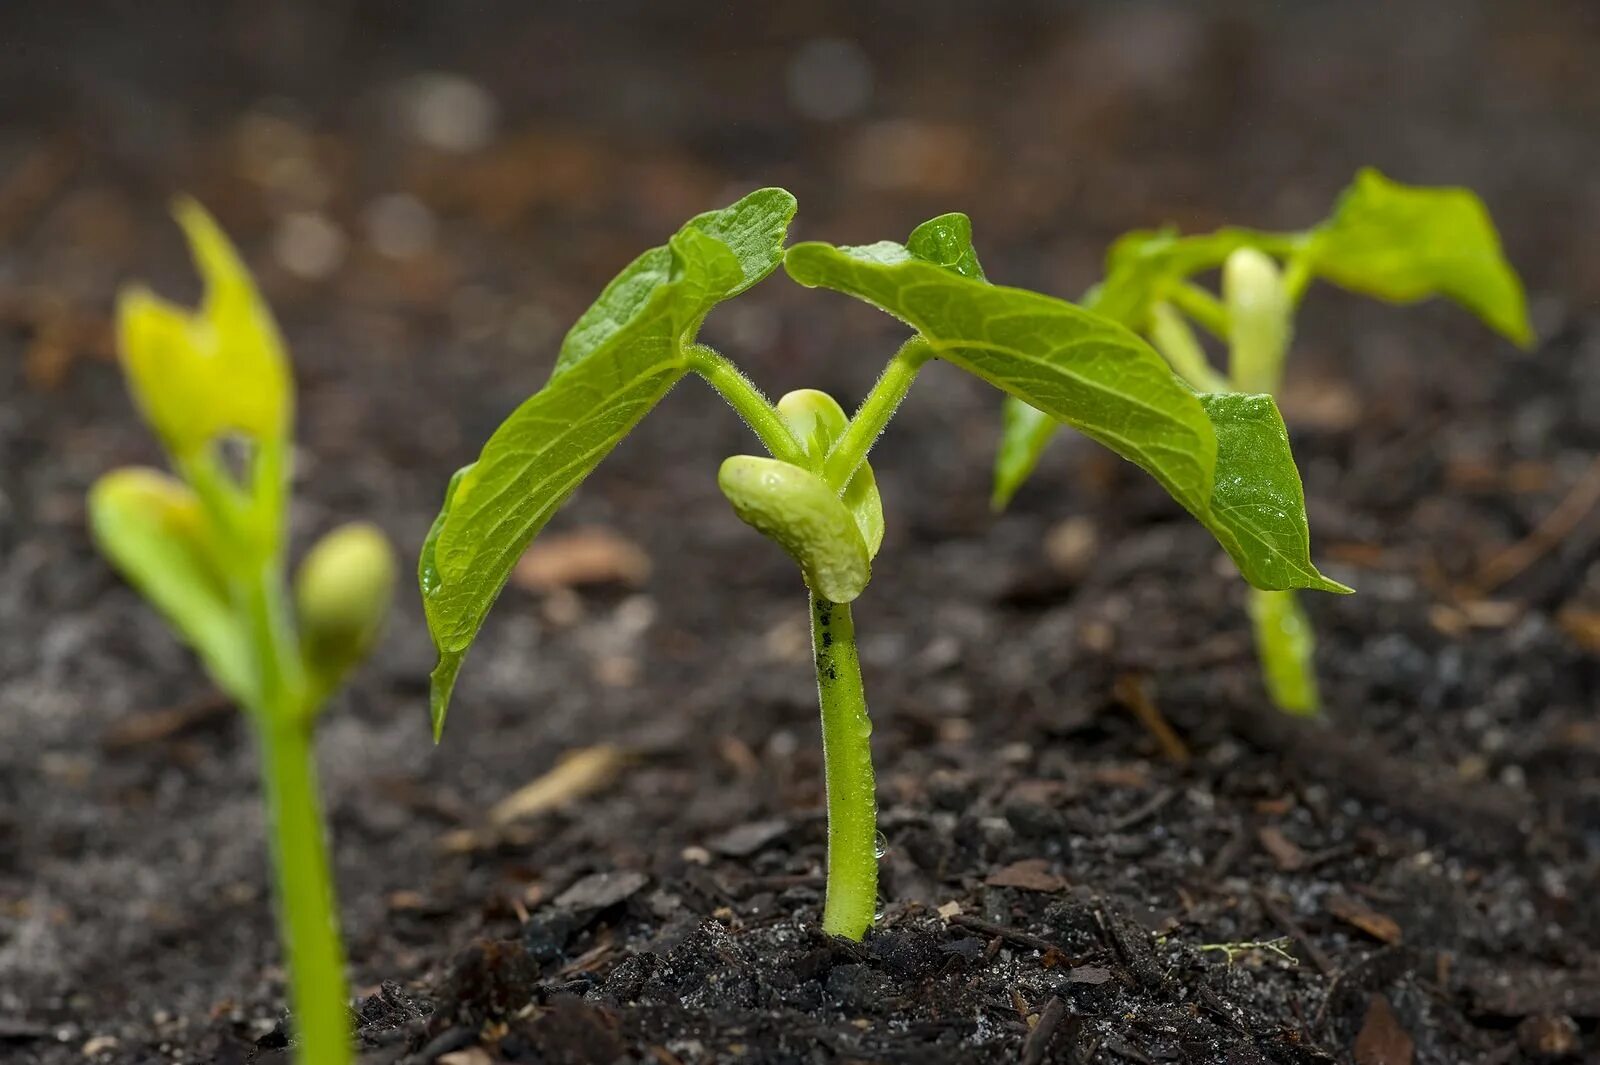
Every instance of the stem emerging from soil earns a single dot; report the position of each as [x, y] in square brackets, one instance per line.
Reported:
[308, 917]
[306, 911]
[1286, 646]
[852, 893]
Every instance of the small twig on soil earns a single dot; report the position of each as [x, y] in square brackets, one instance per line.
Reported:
[1147, 809]
[1012, 935]
[1290, 927]
[153, 726]
[1132, 690]
[1229, 853]
[1038, 1041]
[1545, 537]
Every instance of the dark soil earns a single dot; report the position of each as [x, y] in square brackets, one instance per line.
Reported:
[1418, 873]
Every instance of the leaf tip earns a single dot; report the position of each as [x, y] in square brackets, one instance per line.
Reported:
[440, 685]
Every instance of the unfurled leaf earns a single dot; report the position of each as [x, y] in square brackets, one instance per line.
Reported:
[818, 421]
[753, 230]
[1090, 373]
[220, 369]
[625, 355]
[1258, 507]
[797, 510]
[1405, 243]
[156, 533]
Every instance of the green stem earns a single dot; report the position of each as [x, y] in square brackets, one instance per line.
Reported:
[874, 413]
[307, 915]
[747, 400]
[1207, 311]
[308, 918]
[1286, 646]
[1173, 338]
[852, 894]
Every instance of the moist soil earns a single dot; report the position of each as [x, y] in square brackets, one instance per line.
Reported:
[1101, 844]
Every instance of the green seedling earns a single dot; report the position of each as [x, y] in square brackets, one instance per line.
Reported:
[1394, 242]
[1225, 458]
[207, 549]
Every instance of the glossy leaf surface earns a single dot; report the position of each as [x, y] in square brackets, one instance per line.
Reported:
[621, 358]
[1090, 373]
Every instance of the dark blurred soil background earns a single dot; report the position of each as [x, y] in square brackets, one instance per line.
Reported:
[1084, 794]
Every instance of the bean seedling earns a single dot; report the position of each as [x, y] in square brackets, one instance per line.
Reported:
[1224, 457]
[1395, 242]
[207, 549]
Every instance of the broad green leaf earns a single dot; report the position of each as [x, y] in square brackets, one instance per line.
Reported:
[1258, 507]
[1286, 646]
[817, 421]
[1405, 243]
[1088, 372]
[628, 358]
[797, 510]
[947, 241]
[155, 532]
[221, 369]
[753, 229]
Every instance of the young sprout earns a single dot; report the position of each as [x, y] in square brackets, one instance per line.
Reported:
[207, 549]
[1223, 457]
[1394, 242]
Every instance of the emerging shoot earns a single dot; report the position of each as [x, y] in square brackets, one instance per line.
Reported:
[207, 549]
[1223, 457]
[1394, 242]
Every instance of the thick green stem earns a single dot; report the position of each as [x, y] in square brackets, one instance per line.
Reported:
[308, 919]
[852, 898]
[1200, 305]
[874, 414]
[1286, 647]
[1173, 338]
[747, 400]
[307, 916]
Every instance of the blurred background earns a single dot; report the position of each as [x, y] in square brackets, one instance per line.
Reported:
[431, 193]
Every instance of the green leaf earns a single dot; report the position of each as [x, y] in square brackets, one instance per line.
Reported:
[947, 241]
[753, 229]
[1143, 264]
[1024, 433]
[1286, 645]
[797, 510]
[155, 531]
[1088, 372]
[629, 354]
[219, 369]
[1405, 243]
[817, 421]
[1258, 508]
